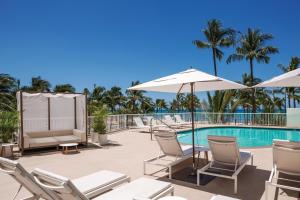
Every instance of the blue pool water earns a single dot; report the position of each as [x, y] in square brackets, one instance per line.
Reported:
[246, 137]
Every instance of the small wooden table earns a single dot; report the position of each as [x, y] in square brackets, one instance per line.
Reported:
[65, 147]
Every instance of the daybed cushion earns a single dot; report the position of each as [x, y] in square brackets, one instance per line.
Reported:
[42, 142]
[67, 138]
[97, 180]
[142, 187]
[39, 134]
[52, 138]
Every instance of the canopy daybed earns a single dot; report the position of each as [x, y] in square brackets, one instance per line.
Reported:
[50, 119]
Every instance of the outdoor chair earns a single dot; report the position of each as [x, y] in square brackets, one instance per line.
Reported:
[172, 152]
[227, 160]
[25, 179]
[140, 124]
[181, 121]
[168, 120]
[286, 161]
[66, 189]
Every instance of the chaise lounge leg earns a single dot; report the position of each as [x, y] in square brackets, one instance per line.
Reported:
[235, 185]
[170, 172]
[266, 191]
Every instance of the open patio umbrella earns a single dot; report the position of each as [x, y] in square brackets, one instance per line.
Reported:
[192, 81]
[289, 79]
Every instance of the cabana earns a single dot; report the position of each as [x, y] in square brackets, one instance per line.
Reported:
[50, 119]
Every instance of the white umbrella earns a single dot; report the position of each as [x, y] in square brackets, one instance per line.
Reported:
[289, 79]
[191, 80]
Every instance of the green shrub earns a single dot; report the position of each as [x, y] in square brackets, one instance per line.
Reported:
[99, 122]
[8, 125]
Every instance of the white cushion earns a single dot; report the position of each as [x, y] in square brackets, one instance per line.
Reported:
[97, 180]
[44, 141]
[142, 187]
[67, 138]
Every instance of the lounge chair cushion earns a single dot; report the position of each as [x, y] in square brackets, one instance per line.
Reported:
[142, 187]
[97, 180]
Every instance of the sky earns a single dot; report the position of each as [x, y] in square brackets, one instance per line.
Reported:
[110, 42]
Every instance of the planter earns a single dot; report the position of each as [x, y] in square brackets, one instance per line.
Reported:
[94, 137]
[102, 138]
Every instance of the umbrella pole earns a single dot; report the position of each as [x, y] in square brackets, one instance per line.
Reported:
[193, 123]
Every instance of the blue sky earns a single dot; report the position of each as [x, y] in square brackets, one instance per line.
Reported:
[114, 42]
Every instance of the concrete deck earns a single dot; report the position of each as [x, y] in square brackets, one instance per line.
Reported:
[127, 155]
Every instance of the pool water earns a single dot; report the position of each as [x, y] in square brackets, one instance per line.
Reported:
[246, 137]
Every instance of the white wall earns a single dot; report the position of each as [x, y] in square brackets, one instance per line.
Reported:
[293, 117]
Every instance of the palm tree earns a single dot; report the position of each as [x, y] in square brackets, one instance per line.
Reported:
[147, 105]
[216, 37]
[135, 98]
[8, 88]
[98, 93]
[160, 104]
[38, 85]
[252, 47]
[291, 92]
[64, 88]
[187, 102]
[114, 98]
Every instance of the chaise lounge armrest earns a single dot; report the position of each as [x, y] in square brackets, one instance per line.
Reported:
[80, 134]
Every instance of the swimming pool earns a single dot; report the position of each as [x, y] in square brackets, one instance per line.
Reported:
[246, 137]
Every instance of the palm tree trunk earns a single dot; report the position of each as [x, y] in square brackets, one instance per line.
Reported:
[253, 90]
[215, 62]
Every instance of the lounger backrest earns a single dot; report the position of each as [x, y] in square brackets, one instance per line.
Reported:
[150, 120]
[168, 143]
[178, 118]
[224, 149]
[286, 156]
[169, 119]
[16, 171]
[59, 185]
[138, 121]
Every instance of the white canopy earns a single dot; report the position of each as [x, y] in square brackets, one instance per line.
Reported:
[180, 82]
[289, 79]
[51, 111]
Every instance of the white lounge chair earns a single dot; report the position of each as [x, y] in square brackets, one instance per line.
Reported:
[172, 151]
[66, 190]
[168, 120]
[25, 179]
[226, 157]
[140, 124]
[286, 160]
[181, 121]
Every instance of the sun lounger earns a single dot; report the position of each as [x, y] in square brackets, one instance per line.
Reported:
[180, 120]
[66, 190]
[25, 179]
[286, 160]
[227, 159]
[172, 151]
[140, 124]
[168, 120]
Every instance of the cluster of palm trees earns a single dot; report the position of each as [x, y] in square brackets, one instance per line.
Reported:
[114, 99]
[250, 46]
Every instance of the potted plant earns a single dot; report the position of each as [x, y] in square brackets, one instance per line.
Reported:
[99, 124]
[8, 126]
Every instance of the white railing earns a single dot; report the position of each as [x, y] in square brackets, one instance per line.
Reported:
[125, 121]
